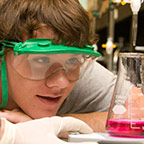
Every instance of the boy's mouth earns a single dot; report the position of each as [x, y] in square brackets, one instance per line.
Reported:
[49, 99]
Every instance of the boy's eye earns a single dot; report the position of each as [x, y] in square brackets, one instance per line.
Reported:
[41, 60]
[72, 61]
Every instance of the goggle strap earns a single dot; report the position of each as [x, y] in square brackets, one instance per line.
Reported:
[8, 43]
[4, 83]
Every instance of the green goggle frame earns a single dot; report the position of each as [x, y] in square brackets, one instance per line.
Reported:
[36, 46]
[45, 46]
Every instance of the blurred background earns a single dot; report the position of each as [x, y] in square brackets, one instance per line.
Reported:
[113, 21]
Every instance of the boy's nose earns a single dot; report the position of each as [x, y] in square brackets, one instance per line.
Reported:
[57, 79]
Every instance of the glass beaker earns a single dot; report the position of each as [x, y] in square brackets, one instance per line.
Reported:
[126, 113]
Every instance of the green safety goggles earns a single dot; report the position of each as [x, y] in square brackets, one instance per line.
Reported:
[37, 59]
[45, 46]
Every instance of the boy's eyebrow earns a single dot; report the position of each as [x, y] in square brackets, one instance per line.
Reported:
[76, 54]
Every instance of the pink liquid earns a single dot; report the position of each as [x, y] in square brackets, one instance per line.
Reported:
[125, 128]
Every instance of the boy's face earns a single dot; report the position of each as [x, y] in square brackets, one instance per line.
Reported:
[37, 98]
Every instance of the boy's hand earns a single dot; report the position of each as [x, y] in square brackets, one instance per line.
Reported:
[42, 131]
[15, 116]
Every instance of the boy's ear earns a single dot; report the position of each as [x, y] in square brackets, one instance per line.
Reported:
[0, 71]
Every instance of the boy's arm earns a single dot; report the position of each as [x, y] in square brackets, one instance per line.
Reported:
[15, 116]
[96, 120]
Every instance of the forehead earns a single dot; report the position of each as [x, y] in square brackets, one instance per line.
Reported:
[41, 33]
[55, 55]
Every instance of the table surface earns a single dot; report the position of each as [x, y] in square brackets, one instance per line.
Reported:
[104, 138]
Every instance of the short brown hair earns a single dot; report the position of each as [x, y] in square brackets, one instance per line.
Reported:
[67, 18]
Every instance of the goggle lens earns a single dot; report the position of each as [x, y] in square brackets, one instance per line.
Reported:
[41, 66]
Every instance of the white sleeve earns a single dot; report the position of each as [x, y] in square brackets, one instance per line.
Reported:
[92, 93]
[9, 133]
